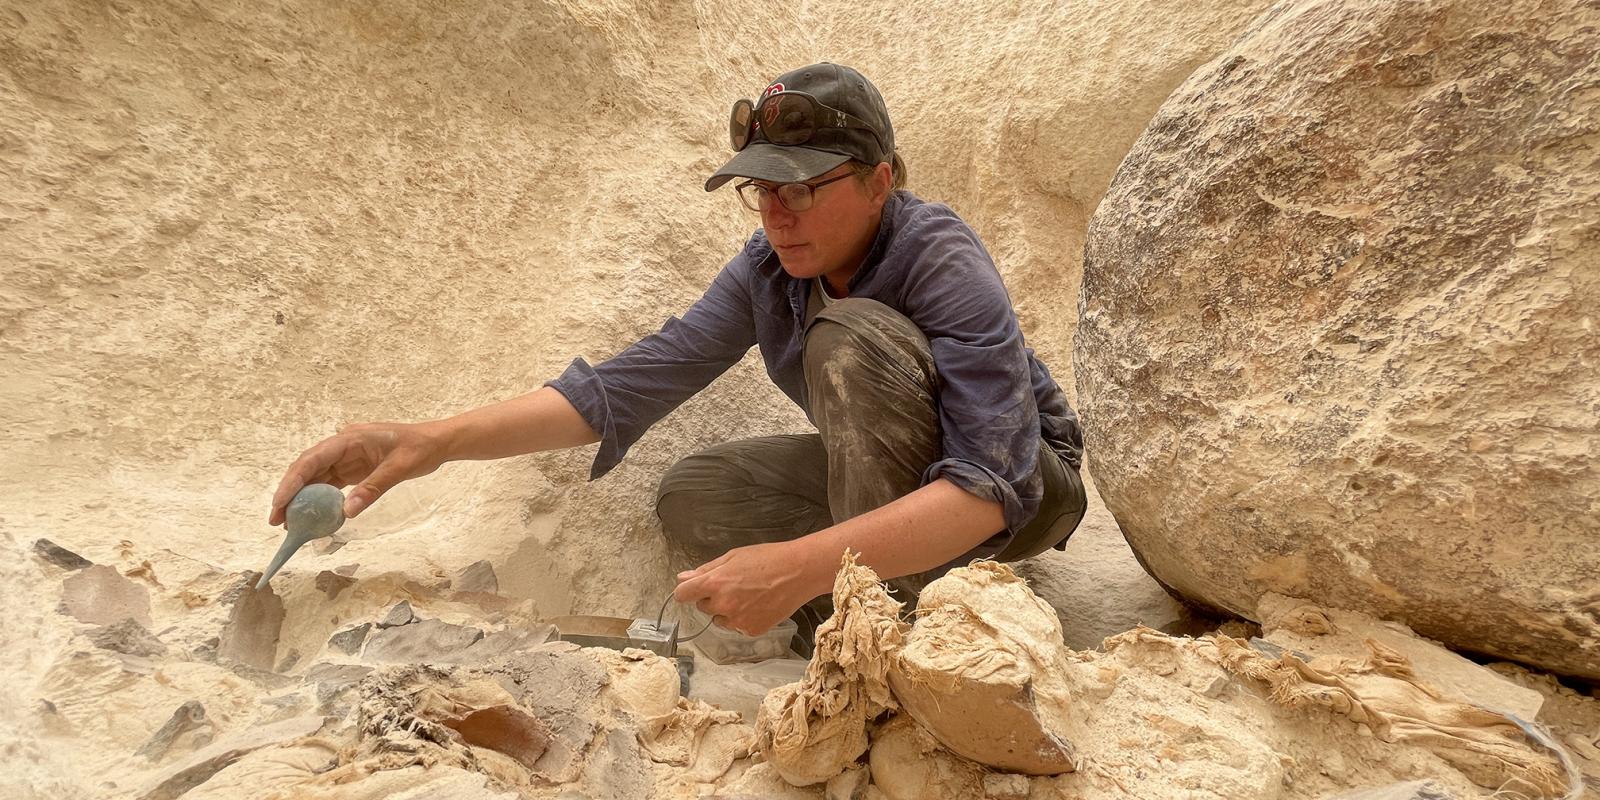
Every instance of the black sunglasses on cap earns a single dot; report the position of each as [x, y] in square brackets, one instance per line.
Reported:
[788, 118]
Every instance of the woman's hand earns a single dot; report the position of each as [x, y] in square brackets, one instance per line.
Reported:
[750, 589]
[373, 456]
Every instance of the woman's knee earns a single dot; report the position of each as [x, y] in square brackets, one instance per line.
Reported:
[857, 333]
[679, 494]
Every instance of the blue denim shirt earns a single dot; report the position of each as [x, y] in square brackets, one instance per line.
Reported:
[995, 399]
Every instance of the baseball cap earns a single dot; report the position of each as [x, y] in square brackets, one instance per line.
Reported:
[832, 85]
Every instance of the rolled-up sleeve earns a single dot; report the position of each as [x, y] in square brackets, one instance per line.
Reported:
[623, 396]
[987, 411]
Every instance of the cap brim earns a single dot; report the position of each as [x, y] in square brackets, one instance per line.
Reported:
[765, 161]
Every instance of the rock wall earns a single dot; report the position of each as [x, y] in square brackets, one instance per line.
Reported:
[1337, 325]
[229, 228]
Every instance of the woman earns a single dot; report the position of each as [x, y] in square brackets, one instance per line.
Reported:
[941, 438]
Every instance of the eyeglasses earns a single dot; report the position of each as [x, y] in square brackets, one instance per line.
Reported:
[788, 118]
[796, 197]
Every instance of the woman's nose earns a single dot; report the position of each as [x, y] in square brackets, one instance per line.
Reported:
[776, 216]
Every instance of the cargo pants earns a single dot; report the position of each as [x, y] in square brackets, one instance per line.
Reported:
[873, 388]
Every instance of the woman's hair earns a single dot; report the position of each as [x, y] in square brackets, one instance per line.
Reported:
[897, 164]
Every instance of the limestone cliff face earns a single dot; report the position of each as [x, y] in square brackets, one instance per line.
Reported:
[229, 228]
[1337, 334]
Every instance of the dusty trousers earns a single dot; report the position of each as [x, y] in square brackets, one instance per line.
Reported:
[872, 392]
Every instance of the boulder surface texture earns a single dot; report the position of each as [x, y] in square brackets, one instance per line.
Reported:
[1337, 325]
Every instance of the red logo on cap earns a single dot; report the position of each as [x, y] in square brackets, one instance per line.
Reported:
[770, 110]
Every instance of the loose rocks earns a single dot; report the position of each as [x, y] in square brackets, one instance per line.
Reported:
[425, 642]
[99, 595]
[331, 583]
[1410, 790]
[129, 638]
[349, 640]
[477, 577]
[401, 614]
[196, 769]
[255, 619]
[59, 556]
[189, 716]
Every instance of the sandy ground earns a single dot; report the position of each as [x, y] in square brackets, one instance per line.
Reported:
[160, 683]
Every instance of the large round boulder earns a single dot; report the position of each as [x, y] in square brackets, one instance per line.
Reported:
[1338, 326]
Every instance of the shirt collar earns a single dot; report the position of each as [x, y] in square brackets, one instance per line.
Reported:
[880, 242]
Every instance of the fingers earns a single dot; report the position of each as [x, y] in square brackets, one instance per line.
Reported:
[711, 589]
[702, 592]
[729, 623]
[706, 567]
[372, 456]
[721, 622]
[694, 590]
[693, 585]
[311, 465]
[287, 487]
[389, 472]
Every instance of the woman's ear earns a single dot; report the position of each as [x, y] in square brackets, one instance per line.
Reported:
[882, 182]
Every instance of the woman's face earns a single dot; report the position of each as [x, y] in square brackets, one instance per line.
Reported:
[833, 235]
